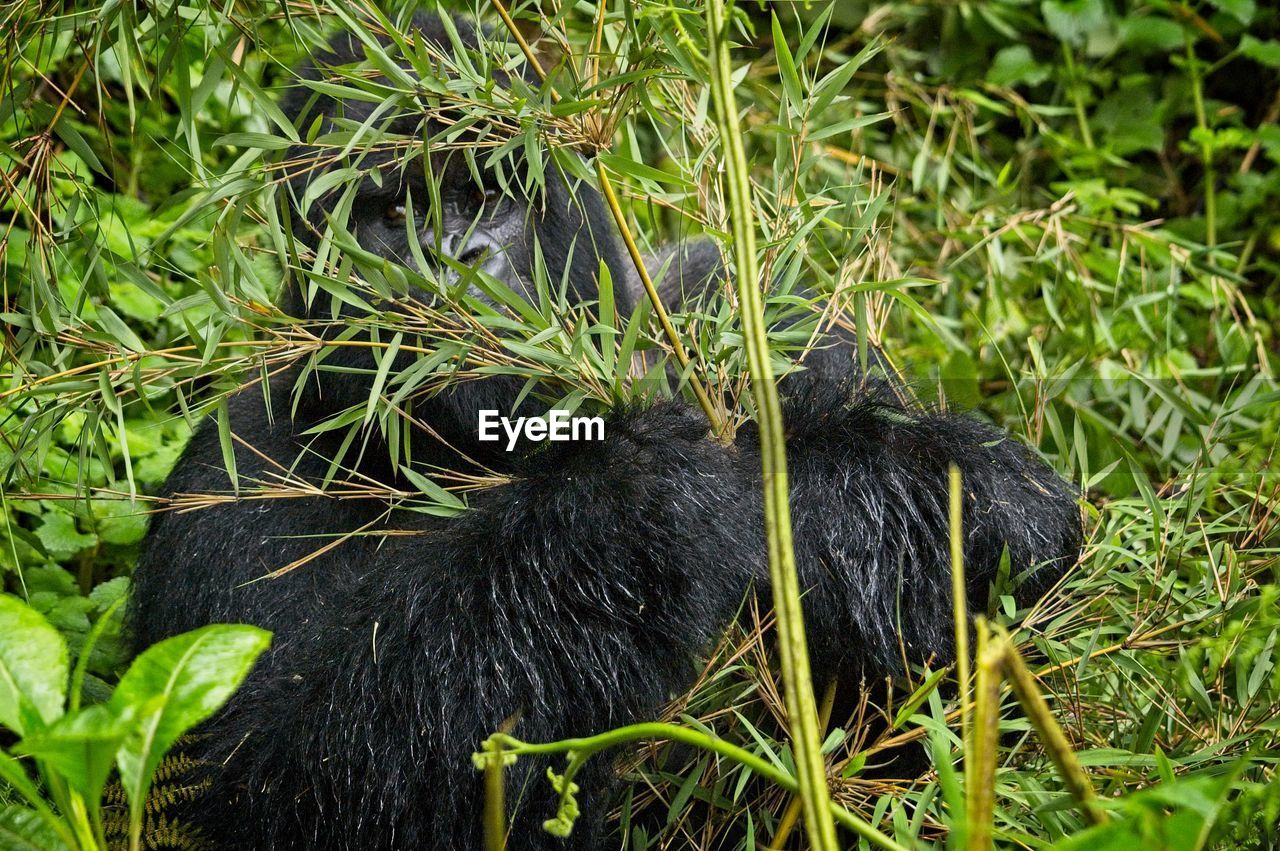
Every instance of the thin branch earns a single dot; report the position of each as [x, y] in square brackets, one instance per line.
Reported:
[582, 749]
[673, 336]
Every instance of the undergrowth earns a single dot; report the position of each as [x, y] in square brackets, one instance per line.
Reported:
[1064, 216]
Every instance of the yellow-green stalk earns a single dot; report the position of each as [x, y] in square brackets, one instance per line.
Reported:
[984, 740]
[959, 602]
[802, 711]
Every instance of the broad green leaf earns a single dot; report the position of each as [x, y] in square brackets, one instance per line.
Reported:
[172, 687]
[60, 537]
[1078, 22]
[23, 829]
[33, 668]
[1263, 52]
[1016, 64]
[120, 521]
[1242, 10]
[80, 747]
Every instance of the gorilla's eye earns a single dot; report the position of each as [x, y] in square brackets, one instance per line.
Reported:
[488, 195]
[395, 214]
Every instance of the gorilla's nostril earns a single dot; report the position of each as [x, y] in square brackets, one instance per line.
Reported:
[472, 254]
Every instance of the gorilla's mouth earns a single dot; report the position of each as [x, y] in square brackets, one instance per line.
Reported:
[494, 264]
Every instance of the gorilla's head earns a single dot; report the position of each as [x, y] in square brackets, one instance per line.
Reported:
[425, 199]
[433, 199]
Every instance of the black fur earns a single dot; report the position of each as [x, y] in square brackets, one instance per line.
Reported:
[869, 491]
[208, 565]
[570, 600]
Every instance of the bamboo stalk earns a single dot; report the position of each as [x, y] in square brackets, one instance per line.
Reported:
[802, 714]
[673, 337]
[959, 602]
[980, 753]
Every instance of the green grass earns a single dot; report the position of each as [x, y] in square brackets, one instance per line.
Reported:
[1064, 216]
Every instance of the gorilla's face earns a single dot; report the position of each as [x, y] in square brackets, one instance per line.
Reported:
[449, 216]
[425, 193]
[440, 211]
[452, 219]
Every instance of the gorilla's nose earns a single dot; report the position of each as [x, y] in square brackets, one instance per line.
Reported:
[467, 249]
[472, 254]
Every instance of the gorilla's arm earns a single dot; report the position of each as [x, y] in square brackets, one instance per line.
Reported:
[683, 272]
[570, 600]
[869, 502]
[208, 564]
[869, 499]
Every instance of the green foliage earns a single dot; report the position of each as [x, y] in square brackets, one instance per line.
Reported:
[1177, 814]
[1065, 214]
[72, 750]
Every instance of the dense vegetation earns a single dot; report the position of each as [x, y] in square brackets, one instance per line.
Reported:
[1064, 215]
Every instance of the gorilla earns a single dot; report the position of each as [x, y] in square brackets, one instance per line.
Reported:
[574, 597]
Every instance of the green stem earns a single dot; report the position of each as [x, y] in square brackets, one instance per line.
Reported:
[581, 749]
[495, 807]
[1206, 145]
[792, 813]
[802, 713]
[1077, 100]
[959, 603]
[983, 742]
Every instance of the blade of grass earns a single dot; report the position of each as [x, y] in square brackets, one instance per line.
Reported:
[983, 742]
[802, 713]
